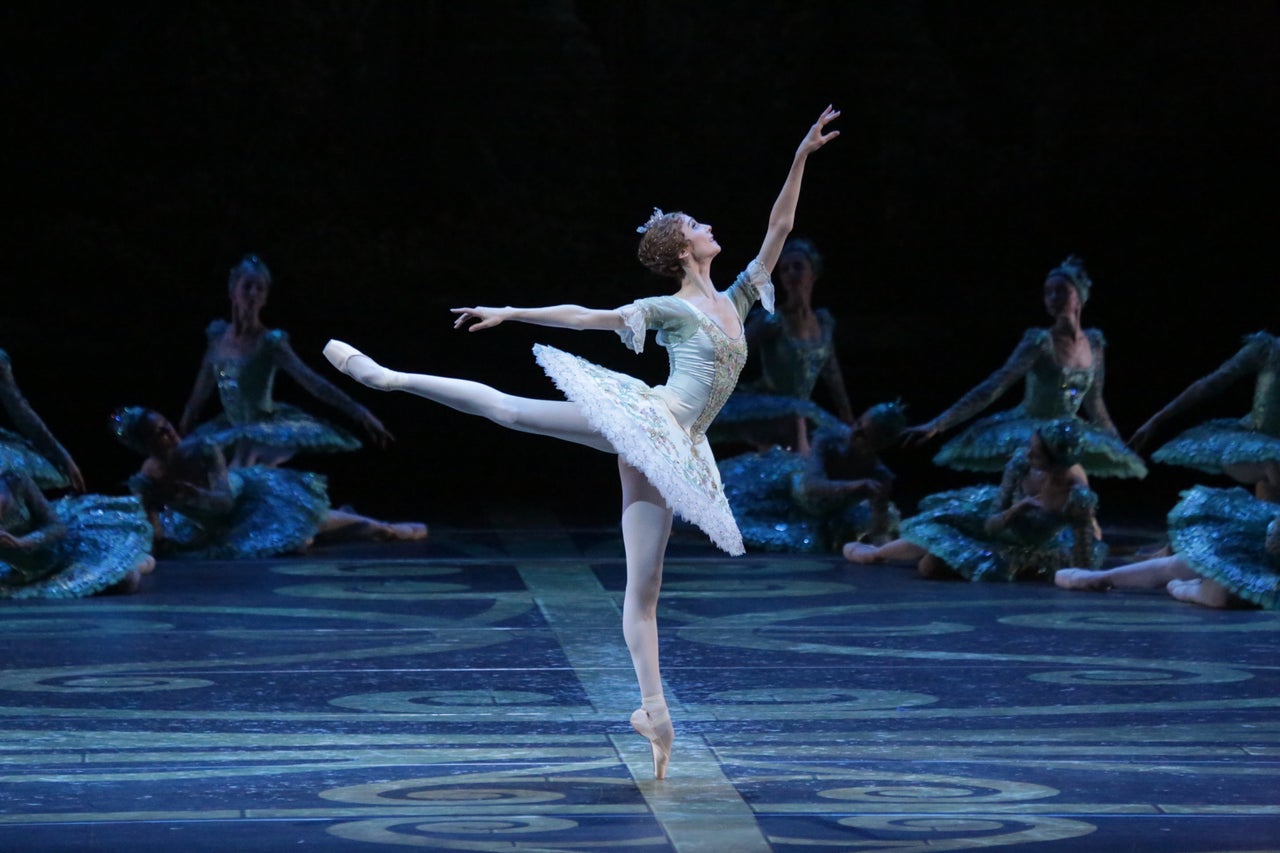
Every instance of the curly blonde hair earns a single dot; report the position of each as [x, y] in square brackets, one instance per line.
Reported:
[662, 243]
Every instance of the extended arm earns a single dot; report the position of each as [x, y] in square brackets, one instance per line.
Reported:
[782, 217]
[201, 391]
[557, 316]
[1093, 404]
[1248, 360]
[46, 528]
[325, 391]
[984, 394]
[834, 378]
[30, 425]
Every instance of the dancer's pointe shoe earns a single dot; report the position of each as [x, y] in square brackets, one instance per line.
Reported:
[861, 552]
[656, 727]
[339, 353]
[1081, 579]
[359, 366]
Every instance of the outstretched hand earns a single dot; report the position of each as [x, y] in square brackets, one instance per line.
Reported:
[379, 434]
[485, 318]
[816, 138]
[912, 436]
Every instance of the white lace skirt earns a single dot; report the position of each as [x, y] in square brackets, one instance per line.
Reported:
[639, 424]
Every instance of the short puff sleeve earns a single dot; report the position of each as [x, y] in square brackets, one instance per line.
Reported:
[664, 313]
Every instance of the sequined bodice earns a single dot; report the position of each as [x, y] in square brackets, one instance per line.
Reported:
[791, 366]
[245, 382]
[1054, 391]
[704, 372]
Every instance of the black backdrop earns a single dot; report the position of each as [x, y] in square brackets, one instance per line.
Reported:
[390, 160]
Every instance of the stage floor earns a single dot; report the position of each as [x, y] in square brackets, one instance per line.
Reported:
[472, 693]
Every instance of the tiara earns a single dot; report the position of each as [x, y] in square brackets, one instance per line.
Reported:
[652, 221]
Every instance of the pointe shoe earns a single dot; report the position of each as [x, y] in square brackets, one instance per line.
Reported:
[860, 552]
[339, 353]
[1081, 579]
[656, 727]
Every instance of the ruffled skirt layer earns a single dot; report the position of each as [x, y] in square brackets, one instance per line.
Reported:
[1221, 533]
[951, 527]
[106, 538]
[17, 454]
[286, 428]
[990, 443]
[1219, 443]
[638, 422]
[277, 511]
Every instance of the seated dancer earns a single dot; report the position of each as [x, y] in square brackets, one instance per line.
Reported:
[658, 433]
[201, 510]
[79, 546]
[1246, 449]
[795, 346]
[1064, 370]
[1226, 553]
[35, 451]
[1039, 519]
[240, 362]
[815, 502]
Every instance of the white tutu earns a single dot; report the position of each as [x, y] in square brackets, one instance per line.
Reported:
[638, 421]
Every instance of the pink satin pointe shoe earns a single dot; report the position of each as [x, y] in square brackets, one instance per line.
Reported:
[860, 552]
[656, 727]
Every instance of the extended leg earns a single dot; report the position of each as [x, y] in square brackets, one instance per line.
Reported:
[646, 527]
[1147, 574]
[556, 418]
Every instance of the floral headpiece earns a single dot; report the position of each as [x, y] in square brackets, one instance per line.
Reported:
[654, 219]
[124, 424]
[1072, 269]
[1061, 440]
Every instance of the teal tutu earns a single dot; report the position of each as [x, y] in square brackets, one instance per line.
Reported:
[17, 454]
[774, 515]
[989, 444]
[1221, 534]
[106, 538]
[276, 511]
[286, 428]
[951, 527]
[1218, 443]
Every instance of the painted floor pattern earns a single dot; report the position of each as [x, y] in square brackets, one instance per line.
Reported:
[471, 693]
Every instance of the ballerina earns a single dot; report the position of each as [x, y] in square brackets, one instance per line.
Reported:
[1225, 547]
[658, 433]
[1064, 370]
[1246, 449]
[240, 363]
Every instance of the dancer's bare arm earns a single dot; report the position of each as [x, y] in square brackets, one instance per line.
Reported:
[783, 216]
[558, 316]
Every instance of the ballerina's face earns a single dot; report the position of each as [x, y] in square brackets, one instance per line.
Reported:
[702, 244]
[1060, 296]
[250, 292]
[162, 436]
[795, 273]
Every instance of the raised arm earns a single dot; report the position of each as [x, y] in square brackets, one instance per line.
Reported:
[324, 390]
[782, 217]
[557, 316]
[1248, 360]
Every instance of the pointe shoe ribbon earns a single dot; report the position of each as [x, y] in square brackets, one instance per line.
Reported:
[646, 725]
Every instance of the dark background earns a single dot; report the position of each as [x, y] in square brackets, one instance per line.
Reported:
[390, 160]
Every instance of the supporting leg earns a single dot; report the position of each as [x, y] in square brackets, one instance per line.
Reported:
[646, 527]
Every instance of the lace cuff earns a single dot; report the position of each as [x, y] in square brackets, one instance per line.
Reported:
[636, 327]
[759, 278]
